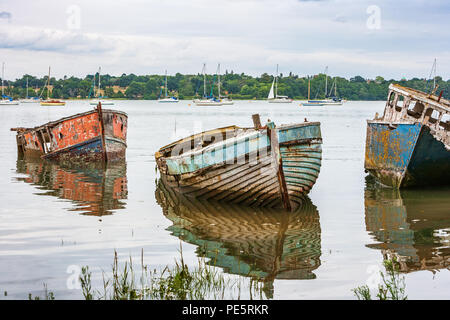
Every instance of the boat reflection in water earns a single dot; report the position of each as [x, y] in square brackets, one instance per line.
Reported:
[262, 243]
[95, 189]
[413, 225]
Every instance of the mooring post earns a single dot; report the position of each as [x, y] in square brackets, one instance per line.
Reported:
[278, 163]
[100, 115]
[256, 121]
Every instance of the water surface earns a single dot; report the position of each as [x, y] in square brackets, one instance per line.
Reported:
[54, 217]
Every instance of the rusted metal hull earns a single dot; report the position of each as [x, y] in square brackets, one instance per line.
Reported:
[92, 136]
[263, 243]
[268, 168]
[405, 155]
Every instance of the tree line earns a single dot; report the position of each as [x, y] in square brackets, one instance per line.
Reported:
[236, 86]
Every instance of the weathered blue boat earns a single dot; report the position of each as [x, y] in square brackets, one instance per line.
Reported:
[410, 144]
[261, 166]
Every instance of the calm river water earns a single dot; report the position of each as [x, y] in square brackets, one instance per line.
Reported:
[55, 219]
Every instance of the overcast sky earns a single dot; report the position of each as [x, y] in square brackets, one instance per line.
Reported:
[393, 39]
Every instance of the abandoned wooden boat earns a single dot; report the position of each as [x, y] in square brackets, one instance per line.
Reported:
[410, 144]
[262, 243]
[260, 166]
[94, 188]
[96, 135]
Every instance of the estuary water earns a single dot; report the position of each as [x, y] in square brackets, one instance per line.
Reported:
[56, 219]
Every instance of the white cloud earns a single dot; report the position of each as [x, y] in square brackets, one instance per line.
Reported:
[247, 36]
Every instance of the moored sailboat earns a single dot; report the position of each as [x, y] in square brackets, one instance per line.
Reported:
[206, 100]
[48, 101]
[273, 96]
[6, 100]
[166, 98]
[329, 100]
[29, 99]
[98, 99]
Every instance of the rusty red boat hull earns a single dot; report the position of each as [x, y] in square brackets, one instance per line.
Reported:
[97, 135]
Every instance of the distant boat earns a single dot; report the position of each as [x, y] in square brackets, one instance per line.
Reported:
[328, 100]
[6, 100]
[95, 135]
[206, 100]
[166, 98]
[98, 99]
[29, 99]
[270, 166]
[273, 96]
[409, 145]
[48, 101]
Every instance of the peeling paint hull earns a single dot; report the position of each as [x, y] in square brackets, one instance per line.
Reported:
[98, 135]
[406, 155]
[245, 168]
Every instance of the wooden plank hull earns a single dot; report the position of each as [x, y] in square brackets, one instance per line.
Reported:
[245, 169]
[79, 138]
[263, 243]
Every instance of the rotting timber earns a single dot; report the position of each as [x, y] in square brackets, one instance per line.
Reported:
[267, 166]
[96, 135]
[410, 144]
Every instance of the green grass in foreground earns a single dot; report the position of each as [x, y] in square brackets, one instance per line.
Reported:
[178, 282]
[392, 286]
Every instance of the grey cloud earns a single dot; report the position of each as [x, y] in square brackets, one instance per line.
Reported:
[340, 18]
[5, 15]
[52, 40]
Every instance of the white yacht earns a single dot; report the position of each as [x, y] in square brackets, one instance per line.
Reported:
[97, 99]
[166, 98]
[6, 100]
[273, 96]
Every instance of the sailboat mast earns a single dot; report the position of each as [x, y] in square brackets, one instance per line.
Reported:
[309, 86]
[165, 86]
[326, 81]
[48, 84]
[335, 87]
[276, 83]
[3, 75]
[98, 89]
[27, 88]
[434, 79]
[218, 79]
[204, 80]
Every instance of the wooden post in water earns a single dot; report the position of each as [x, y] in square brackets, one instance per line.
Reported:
[278, 162]
[256, 121]
[102, 130]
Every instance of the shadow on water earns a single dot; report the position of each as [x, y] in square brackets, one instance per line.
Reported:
[413, 225]
[95, 189]
[264, 244]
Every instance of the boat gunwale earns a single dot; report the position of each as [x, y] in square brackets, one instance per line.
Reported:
[54, 123]
[441, 105]
[227, 142]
